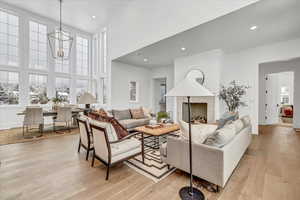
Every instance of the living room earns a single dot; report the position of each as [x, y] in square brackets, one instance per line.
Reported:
[134, 79]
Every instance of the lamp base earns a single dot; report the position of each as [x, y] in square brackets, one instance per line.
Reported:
[185, 194]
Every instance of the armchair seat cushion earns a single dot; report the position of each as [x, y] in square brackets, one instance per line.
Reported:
[125, 146]
[133, 123]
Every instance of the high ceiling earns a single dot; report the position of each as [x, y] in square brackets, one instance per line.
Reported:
[76, 13]
[277, 20]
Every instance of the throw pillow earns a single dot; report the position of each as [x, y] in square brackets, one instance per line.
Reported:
[226, 117]
[200, 132]
[239, 125]
[246, 120]
[221, 137]
[137, 113]
[121, 114]
[147, 112]
[118, 128]
[102, 112]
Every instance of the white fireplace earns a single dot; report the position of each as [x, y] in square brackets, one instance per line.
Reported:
[209, 111]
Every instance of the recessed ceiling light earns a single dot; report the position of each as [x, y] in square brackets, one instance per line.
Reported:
[252, 28]
[183, 48]
[93, 17]
[145, 60]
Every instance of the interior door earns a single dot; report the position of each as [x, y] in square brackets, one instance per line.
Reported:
[272, 99]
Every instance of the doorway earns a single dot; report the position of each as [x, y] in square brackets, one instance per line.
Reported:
[160, 90]
[279, 97]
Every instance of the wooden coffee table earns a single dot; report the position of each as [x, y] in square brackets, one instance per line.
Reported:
[156, 133]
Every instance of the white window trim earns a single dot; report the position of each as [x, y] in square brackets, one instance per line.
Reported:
[137, 92]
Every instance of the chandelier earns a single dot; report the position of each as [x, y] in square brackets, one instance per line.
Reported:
[60, 41]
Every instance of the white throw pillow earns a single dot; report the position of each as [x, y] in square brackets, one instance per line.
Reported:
[147, 112]
[199, 131]
[239, 125]
[222, 136]
[246, 120]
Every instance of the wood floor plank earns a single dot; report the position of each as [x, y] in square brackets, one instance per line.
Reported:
[52, 169]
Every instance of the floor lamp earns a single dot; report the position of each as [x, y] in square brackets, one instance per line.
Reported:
[190, 87]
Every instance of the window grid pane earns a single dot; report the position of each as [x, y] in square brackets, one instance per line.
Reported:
[82, 64]
[9, 88]
[81, 87]
[9, 39]
[38, 45]
[38, 89]
[62, 89]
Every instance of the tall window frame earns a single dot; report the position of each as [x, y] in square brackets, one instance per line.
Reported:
[82, 55]
[38, 45]
[9, 38]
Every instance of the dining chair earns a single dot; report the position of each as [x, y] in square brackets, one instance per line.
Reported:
[85, 139]
[64, 115]
[33, 116]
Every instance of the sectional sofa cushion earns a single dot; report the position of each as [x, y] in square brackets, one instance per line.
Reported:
[132, 123]
[137, 113]
[222, 136]
[200, 132]
[121, 114]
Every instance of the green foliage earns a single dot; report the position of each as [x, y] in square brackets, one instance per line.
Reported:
[162, 115]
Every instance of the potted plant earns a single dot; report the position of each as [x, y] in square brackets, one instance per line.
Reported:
[232, 96]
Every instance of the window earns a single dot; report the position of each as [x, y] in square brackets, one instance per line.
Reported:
[9, 36]
[104, 90]
[38, 45]
[82, 64]
[81, 87]
[9, 88]
[61, 65]
[284, 95]
[62, 89]
[133, 91]
[38, 89]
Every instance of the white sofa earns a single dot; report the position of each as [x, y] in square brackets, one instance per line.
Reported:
[209, 163]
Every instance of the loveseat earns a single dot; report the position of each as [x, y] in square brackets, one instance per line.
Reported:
[211, 163]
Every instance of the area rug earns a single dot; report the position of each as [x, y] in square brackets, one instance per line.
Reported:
[153, 168]
[15, 135]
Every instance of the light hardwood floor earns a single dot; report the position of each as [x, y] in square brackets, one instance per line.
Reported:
[52, 169]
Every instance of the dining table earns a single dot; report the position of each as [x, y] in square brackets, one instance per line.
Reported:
[53, 113]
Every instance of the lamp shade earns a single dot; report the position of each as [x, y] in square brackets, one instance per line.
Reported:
[87, 98]
[189, 88]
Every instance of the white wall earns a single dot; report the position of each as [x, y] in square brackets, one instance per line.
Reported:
[144, 22]
[210, 63]
[168, 73]
[243, 66]
[121, 75]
